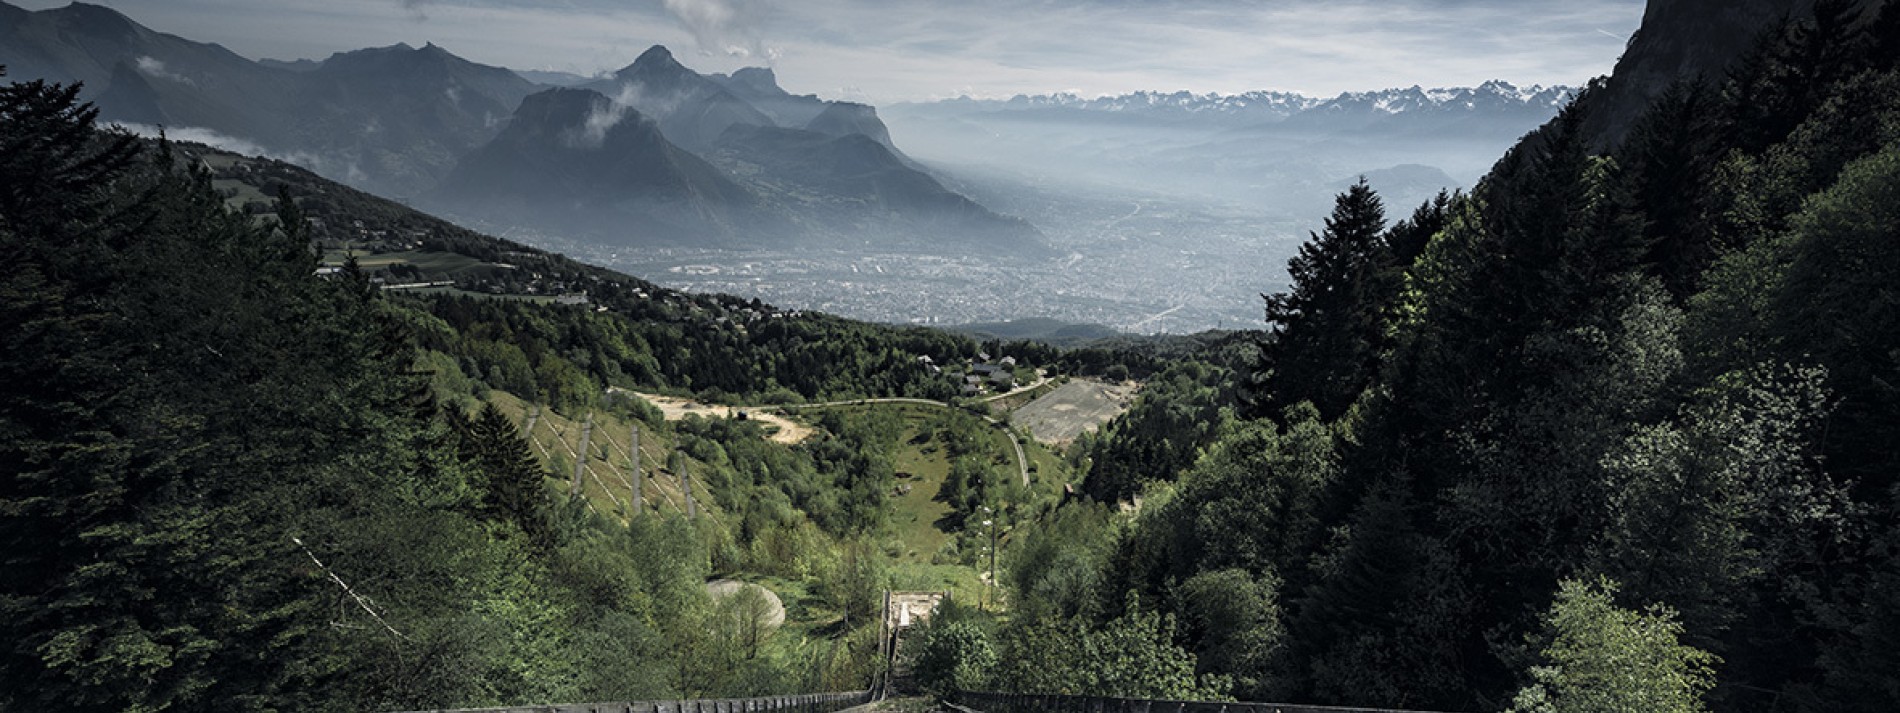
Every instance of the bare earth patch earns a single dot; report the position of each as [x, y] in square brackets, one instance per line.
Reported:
[675, 408]
[1074, 408]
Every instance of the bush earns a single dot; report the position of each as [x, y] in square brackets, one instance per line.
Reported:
[955, 656]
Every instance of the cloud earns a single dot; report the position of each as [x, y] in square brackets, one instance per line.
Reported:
[602, 117]
[898, 50]
[415, 9]
[152, 67]
[233, 144]
[723, 27]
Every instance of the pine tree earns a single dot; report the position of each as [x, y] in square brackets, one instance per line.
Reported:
[1326, 334]
[512, 480]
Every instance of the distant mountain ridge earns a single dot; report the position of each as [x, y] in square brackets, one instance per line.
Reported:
[572, 160]
[1281, 151]
[391, 118]
[422, 123]
[1267, 106]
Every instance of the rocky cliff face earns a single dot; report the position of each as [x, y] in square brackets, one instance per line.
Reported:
[1682, 39]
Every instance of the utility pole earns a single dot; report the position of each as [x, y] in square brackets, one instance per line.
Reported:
[990, 522]
[580, 458]
[635, 457]
[686, 486]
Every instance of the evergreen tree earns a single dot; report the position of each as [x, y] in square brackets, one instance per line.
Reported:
[1327, 332]
[513, 483]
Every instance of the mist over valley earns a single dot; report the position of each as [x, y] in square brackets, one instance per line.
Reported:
[1146, 212]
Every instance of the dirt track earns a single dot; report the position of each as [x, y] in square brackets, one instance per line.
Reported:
[789, 431]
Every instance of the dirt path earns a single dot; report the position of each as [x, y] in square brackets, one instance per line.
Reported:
[791, 432]
[1040, 380]
[675, 408]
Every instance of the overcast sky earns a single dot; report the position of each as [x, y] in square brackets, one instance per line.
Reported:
[894, 50]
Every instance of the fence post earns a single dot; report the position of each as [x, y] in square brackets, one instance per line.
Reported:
[580, 458]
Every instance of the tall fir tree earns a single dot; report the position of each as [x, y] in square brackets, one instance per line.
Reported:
[1326, 333]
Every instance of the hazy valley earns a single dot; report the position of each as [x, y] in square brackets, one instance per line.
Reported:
[647, 380]
[1146, 212]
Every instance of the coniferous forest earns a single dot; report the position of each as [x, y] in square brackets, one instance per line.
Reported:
[1612, 431]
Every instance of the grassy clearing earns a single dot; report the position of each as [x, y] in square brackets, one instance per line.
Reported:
[1048, 472]
[430, 262]
[1016, 401]
[459, 292]
[605, 483]
[915, 513]
[244, 192]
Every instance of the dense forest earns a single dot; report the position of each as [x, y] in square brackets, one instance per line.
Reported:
[1612, 431]
[231, 480]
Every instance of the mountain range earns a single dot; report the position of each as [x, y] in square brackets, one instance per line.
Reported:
[1267, 106]
[654, 164]
[661, 155]
[1281, 150]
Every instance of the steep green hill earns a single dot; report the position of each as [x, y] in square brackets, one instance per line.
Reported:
[1612, 432]
[233, 477]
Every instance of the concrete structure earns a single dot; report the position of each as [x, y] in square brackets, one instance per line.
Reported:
[903, 610]
[809, 703]
[1024, 703]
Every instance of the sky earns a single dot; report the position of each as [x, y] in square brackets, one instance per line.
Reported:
[886, 51]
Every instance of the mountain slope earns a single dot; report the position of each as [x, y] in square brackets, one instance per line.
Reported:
[574, 160]
[402, 114]
[1683, 40]
[759, 87]
[852, 185]
[399, 120]
[691, 109]
[187, 83]
[392, 119]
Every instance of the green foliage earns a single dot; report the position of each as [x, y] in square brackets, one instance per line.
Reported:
[1670, 364]
[1604, 658]
[1177, 415]
[953, 651]
[1132, 656]
[225, 484]
[1235, 618]
[1326, 334]
[1251, 503]
[1057, 565]
[855, 584]
[565, 355]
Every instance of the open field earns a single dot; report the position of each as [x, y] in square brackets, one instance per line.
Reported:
[435, 263]
[458, 292]
[244, 193]
[916, 512]
[605, 480]
[1072, 409]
